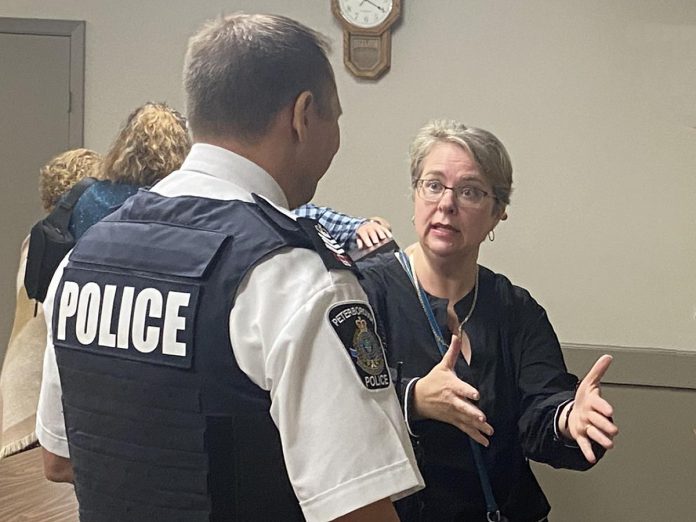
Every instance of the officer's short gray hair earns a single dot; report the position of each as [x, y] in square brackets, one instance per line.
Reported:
[486, 149]
[241, 70]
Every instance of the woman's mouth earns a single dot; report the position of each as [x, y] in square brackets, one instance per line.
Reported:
[443, 229]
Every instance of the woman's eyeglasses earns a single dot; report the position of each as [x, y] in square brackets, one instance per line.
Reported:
[466, 195]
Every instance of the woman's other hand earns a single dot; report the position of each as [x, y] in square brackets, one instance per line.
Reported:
[591, 416]
[443, 396]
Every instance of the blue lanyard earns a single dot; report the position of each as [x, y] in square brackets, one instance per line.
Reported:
[493, 513]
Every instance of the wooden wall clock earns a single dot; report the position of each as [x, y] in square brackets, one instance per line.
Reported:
[367, 34]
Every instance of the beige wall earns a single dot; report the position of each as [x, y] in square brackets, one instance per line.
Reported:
[596, 102]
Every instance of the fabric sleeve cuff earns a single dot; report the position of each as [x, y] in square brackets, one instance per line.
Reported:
[50, 441]
[556, 435]
[408, 400]
[395, 481]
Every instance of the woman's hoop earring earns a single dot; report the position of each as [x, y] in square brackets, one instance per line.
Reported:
[413, 220]
[491, 235]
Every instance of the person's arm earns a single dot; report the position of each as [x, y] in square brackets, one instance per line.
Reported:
[309, 210]
[545, 389]
[50, 424]
[380, 511]
[343, 437]
[56, 468]
[375, 287]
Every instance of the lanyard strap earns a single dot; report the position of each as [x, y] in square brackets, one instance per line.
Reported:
[493, 513]
[425, 304]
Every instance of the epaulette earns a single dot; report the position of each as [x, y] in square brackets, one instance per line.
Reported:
[332, 254]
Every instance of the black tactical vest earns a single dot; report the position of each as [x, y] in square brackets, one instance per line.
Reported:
[162, 424]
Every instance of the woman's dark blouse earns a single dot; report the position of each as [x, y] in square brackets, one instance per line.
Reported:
[518, 368]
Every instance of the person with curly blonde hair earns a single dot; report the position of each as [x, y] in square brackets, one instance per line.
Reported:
[63, 171]
[151, 144]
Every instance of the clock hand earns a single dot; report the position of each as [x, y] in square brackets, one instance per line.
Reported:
[370, 2]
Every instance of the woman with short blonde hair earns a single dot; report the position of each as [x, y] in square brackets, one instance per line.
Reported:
[481, 374]
[63, 171]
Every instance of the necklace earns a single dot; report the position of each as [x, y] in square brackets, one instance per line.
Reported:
[473, 304]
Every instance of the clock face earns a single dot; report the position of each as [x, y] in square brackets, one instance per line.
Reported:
[365, 13]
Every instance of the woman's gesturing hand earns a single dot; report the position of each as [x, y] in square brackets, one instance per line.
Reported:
[443, 396]
[591, 416]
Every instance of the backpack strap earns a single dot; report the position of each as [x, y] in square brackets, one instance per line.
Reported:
[60, 216]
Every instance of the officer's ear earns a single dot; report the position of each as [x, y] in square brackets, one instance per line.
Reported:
[301, 114]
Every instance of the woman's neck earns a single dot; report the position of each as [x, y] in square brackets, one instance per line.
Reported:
[451, 279]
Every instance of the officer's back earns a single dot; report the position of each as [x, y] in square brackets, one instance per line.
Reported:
[213, 366]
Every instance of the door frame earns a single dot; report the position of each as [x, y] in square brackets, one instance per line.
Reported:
[75, 30]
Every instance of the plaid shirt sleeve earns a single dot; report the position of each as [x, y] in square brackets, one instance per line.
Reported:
[342, 227]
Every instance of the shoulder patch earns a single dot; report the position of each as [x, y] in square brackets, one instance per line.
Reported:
[333, 254]
[355, 325]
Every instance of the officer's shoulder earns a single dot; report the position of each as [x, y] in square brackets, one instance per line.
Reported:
[309, 233]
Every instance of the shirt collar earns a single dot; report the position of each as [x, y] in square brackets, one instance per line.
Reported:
[226, 165]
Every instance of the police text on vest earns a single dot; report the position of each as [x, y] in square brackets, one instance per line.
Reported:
[89, 310]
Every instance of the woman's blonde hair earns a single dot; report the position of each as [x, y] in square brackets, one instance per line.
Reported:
[63, 171]
[153, 143]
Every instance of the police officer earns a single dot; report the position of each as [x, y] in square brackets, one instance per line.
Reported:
[216, 357]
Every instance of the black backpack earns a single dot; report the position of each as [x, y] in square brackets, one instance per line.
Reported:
[49, 241]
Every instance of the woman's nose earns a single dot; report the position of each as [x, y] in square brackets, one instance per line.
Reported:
[448, 202]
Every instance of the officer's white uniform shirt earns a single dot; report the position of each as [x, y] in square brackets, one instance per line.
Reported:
[345, 446]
